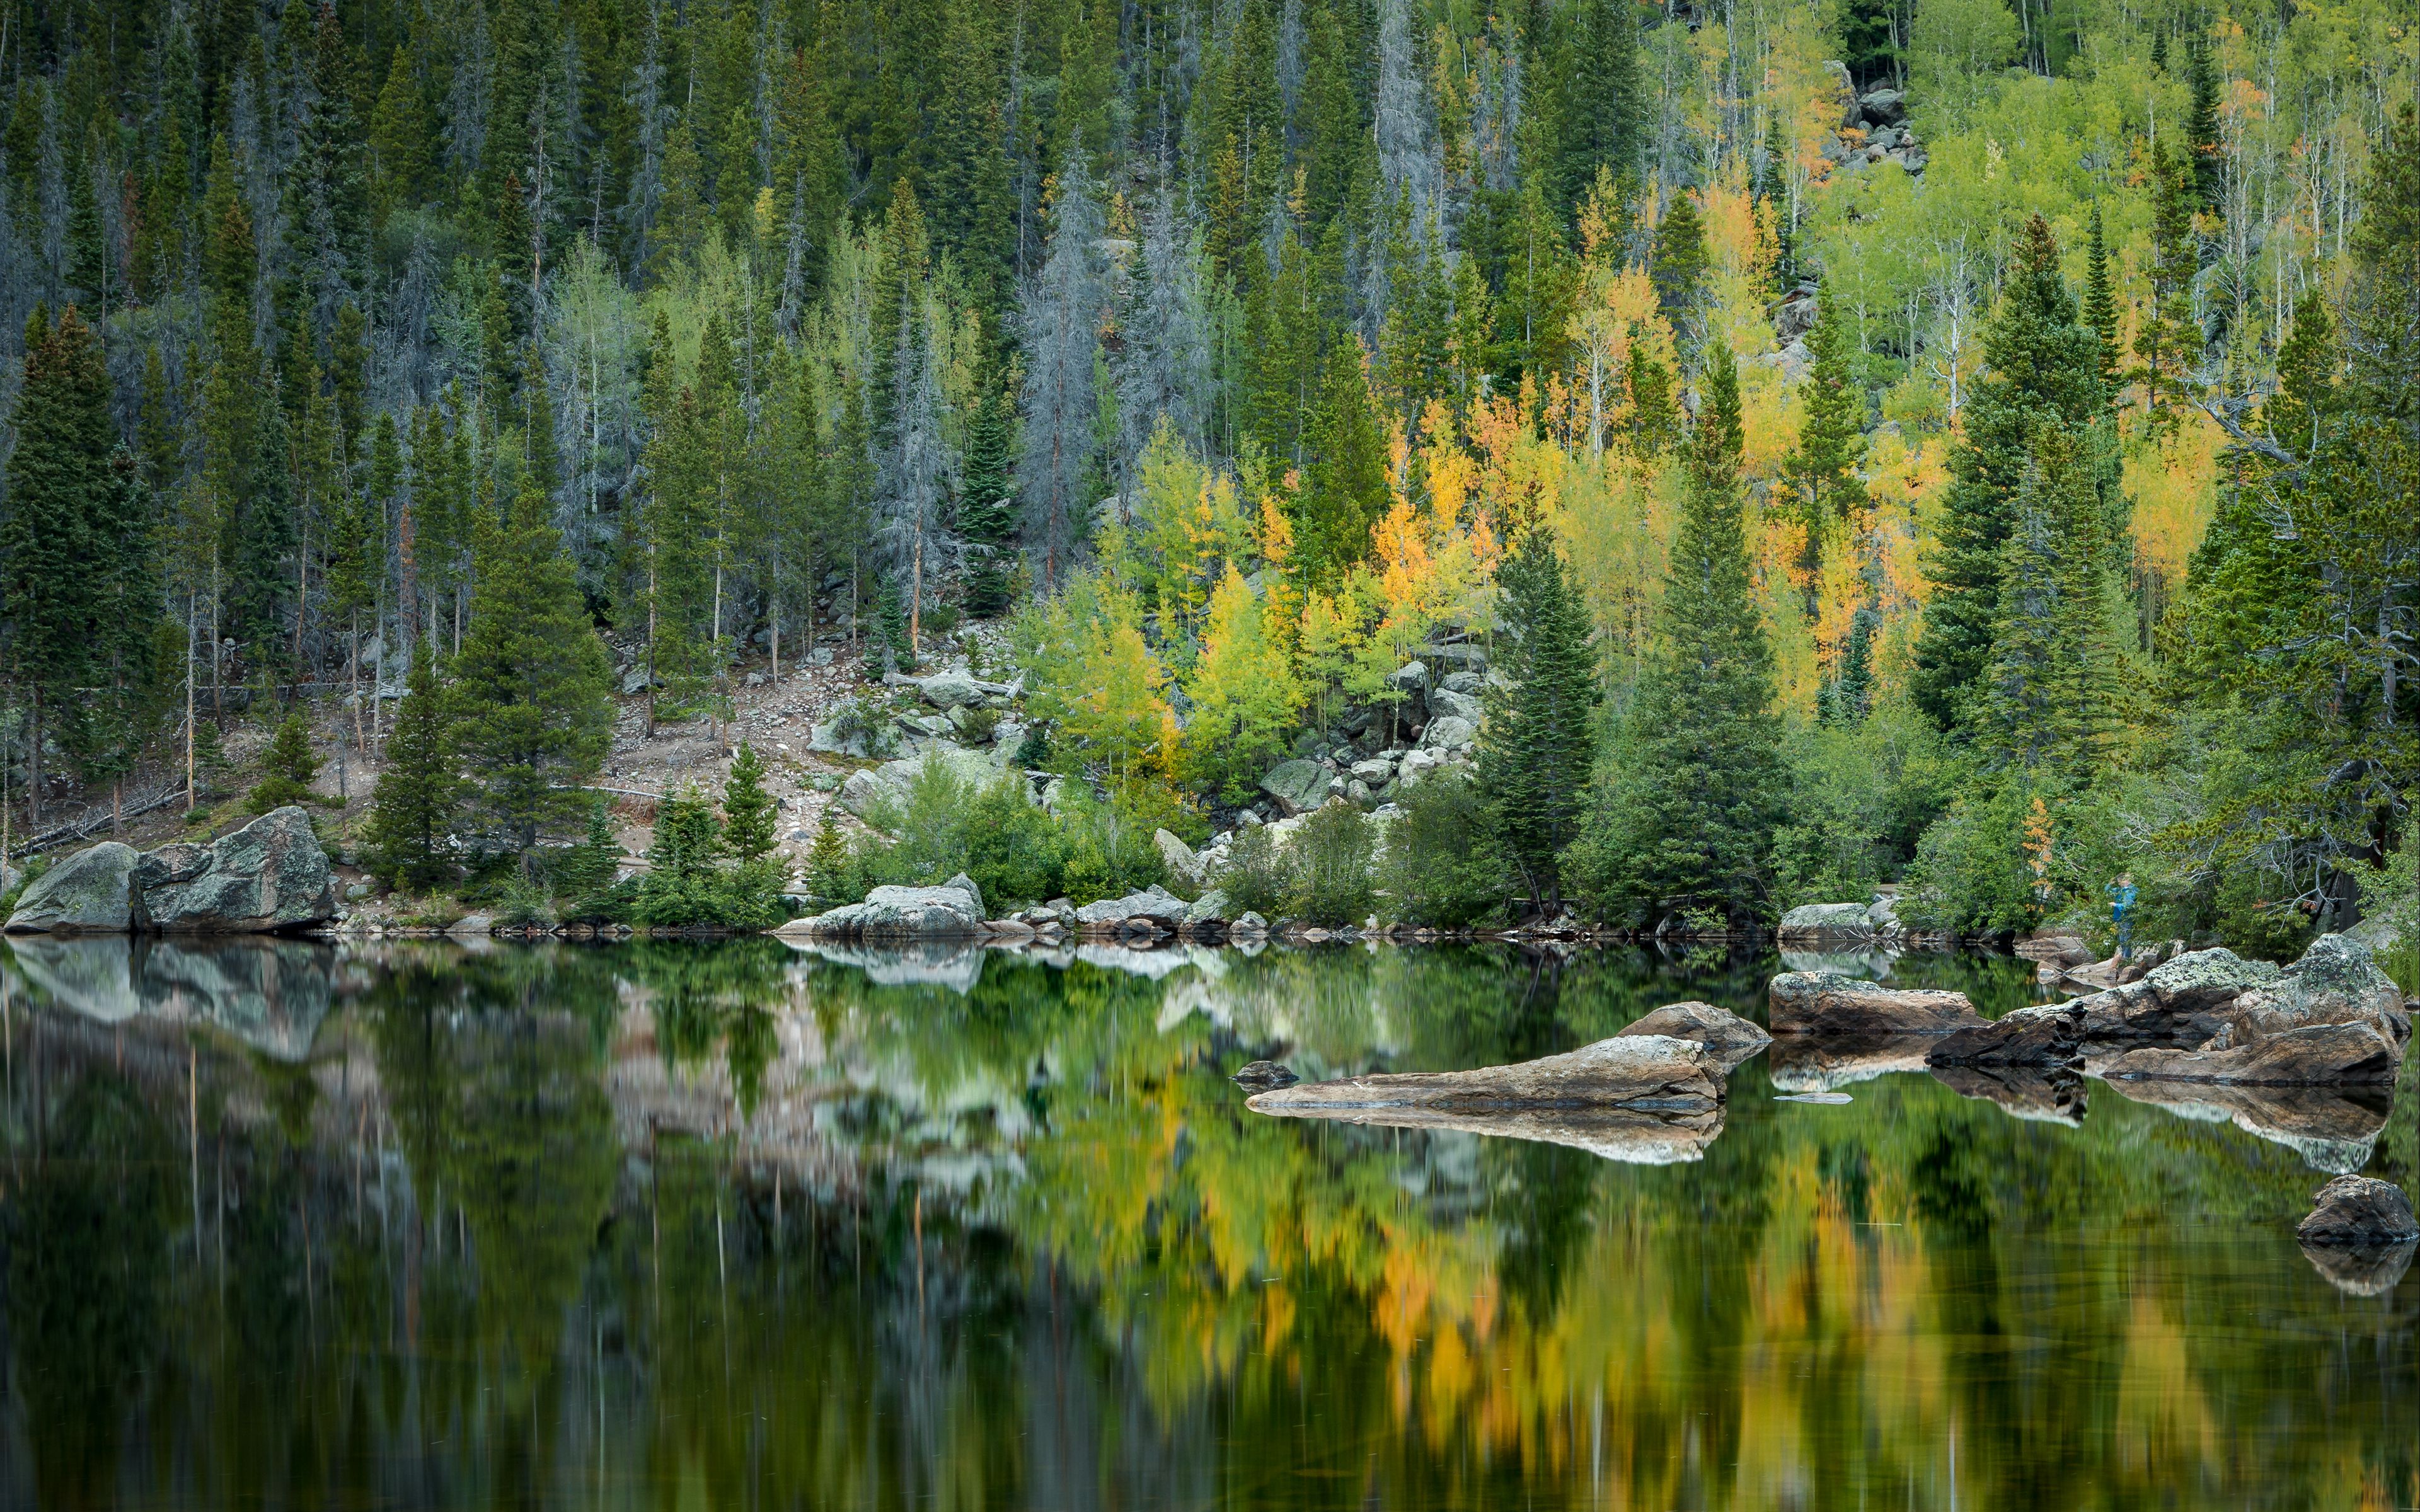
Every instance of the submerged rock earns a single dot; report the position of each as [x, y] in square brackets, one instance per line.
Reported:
[2359, 1210]
[1265, 1074]
[1728, 1040]
[1648, 1072]
[1846, 1008]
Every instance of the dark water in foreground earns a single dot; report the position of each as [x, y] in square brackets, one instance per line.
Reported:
[735, 1227]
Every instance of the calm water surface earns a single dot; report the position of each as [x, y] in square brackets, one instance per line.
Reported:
[737, 1226]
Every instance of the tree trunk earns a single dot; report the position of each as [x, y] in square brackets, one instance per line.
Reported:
[651, 643]
[34, 766]
[189, 705]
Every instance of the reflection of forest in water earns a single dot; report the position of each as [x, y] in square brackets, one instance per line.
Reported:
[732, 1226]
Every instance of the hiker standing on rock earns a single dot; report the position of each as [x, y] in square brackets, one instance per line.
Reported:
[2121, 913]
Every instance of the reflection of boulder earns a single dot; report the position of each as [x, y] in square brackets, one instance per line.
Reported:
[92, 975]
[1632, 1136]
[1875, 964]
[2362, 1270]
[2331, 1131]
[953, 963]
[1728, 1039]
[1799, 1064]
[2054, 1096]
[271, 994]
[1650, 1071]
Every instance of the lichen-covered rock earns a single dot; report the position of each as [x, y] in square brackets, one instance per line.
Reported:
[2314, 1055]
[898, 913]
[1728, 1039]
[268, 875]
[1298, 786]
[1446, 702]
[2359, 1210]
[1449, 733]
[1827, 921]
[1819, 1003]
[1209, 911]
[1157, 904]
[90, 892]
[1184, 865]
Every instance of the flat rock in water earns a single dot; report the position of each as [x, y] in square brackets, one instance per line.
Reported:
[1632, 1136]
[1648, 1072]
[1826, 1098]
[1728, 1039]
[2359, 1210]
[1820, 1004]
[1264, 1073]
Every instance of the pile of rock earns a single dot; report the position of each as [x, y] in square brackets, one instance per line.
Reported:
[1873, 127]
[269, 876]
[1438, 710]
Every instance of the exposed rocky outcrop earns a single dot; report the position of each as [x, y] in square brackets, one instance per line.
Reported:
[1154, 905]
[1728, 1040]
[1261, 1074]
[1847, 1010]
[270, 875]
[1645, 1073]
[2331, 1018]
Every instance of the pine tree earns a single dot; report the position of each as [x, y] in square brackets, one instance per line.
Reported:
[1679, 265]
[2205, 155]
[1823, 470]
[2041, 367]
[1849, 697]
[1060, 327]
[2167, 339]
[986, 505]
[534, 709]
[60, 506]
[286, 768]
[1344, 490]
[2045, 699]
[831, 872]
[419, 797]
[748, 812]
[1603, 108]
[1537, 747]
[1688, 823]
[2101, 307]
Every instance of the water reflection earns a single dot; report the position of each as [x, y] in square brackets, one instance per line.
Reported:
[740, 1225]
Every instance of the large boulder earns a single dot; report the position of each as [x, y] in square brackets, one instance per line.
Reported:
[1163, 909]
[2359, 1210]
[89, 893]
[1184, 865]
[2314, 1055]
[950, 690]
[2178, 1001]
[268, 875]
[1817, 922]
[898, 913]
[1298, 786]
[1449, 733]
[1647, 1073]
[1727, 1039]
[2210, 1016]
[1821, 1004]
[1208, 913]
[891, 782]
[1444, 703]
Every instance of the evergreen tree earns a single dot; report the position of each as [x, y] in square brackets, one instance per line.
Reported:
[748, 812]
[534, 712]
[1849, 697]
[986, 504]
[2040, 368]
[588, 867]
[1688, 823]
[2101, 307]
[1062, 325]
[2206, 155]
[286, 767]
[2046, 701]
[62, 514]
[1679, 265]
[1344, 490]
[831, 872]
[1825, 493]
[419, 798]
[2167, 339]
[1604, 105]
[1538, 743]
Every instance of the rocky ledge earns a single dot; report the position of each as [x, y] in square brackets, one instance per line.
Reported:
[271, 876]
[1646, 1073]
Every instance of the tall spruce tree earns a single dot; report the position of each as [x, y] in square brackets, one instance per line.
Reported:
[2041, 367]
[533, 707]
[2045, 704]
[1538, 746]
[1688, 824]
[1821, 471]
[1604, 105]
[2101, 307]
[988, 504]
[419, 797]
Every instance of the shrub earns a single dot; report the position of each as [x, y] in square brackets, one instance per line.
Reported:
[1440, 866]
[286, 768]
[1108, 846]
[1259, 874]
[1331, 854]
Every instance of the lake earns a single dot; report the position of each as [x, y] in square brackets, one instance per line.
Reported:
[738, 1226]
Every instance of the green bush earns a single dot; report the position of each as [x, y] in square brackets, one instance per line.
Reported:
[688, 886]
[1440, 868]
[1331, 854]
[1259, 876]
[286, 768]
[1861, 798]
[1108, 846]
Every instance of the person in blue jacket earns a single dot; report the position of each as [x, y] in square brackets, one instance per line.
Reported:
[2121, 913]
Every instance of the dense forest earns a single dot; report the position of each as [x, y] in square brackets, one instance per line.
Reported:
[1949, 443]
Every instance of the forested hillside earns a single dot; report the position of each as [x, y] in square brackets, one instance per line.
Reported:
[1946, 443]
